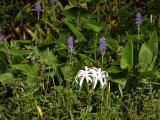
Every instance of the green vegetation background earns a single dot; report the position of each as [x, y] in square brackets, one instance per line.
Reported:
[37, 71]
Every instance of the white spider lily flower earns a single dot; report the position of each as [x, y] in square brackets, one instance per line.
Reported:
[92, 75]
[101, 76]
[84, 75]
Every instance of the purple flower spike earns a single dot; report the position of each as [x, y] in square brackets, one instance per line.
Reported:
[52, 1]
[102, 45]
[138, 19]
[70, 43]
[38, 7]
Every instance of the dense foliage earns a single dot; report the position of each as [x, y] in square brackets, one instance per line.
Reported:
[47, 46]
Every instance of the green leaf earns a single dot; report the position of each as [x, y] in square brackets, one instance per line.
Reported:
[23, 41]
[14, 51]
[26, 69]
[145, 58]
[47, 41]
[59, 90]
[121, 82]
[19, 16]
[47, 57]
[6, 78]
[157, 73]
[67, 73]
[111, 44]
[83, 5]
[114, 69]
[33, 35]
[85, 17]
[153, 42]
[18, 52]
[51, 25]
[67, 7]
[127, 56]
[87, 60]
[75, 31]
[152, 63]
[153, 46]
[93, 27]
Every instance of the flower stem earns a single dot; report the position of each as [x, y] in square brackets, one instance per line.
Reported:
[138, 33]
[38, 15]
[102, 59]
[102, 105]
[71, 63]
[95, 46]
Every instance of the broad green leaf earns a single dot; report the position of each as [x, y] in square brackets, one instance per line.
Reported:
[153, 42]
[93, 27]
[127, 56]
[26, 69]
[145, 58]
[135, 37]
[114, 69]
[14, 51]
[67, 72]
[75, 31]
[151, 66]
[157, 73]
[111, 43]
[18, 52]
[46, 56]
[47, 41]
[6, 78]
[49, 58]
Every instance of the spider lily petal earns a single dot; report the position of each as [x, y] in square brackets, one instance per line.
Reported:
[81, 81]
[95, 80]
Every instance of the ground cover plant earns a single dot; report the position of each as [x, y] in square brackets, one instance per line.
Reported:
[79, 59]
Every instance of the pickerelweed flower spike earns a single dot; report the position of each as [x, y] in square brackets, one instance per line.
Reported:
[70, 43]
[52, 1]
[138, 19]
[38, 7]
[102, 45]
[92, 75]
